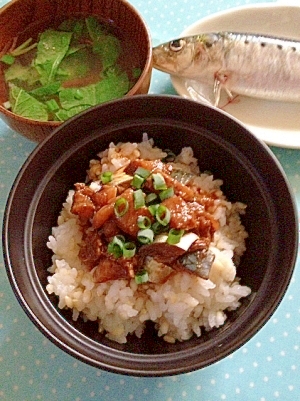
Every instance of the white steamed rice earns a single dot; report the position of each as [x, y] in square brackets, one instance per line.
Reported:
[181, 307]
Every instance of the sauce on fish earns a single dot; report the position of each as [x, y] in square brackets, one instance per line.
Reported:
[110, 213]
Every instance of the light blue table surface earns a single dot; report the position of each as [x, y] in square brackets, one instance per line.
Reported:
[32, 368]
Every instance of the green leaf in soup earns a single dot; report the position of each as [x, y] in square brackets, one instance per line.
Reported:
[75, 97]
[51, 49]
[115, 83]
[63, 115]
[26, 105]
[75, 65]
[47, 90]
[94, 28]
[108, 47]
[22, 73]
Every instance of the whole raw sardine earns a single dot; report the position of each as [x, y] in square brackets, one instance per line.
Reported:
[253, 65]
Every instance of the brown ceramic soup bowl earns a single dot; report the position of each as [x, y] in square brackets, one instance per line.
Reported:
[250, 174]
[23, 19]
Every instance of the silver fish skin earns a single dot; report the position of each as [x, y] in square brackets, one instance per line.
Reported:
[266, 67]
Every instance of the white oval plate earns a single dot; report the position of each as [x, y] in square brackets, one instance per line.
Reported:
[276, 123]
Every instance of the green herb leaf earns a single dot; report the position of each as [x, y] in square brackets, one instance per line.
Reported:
[51, 49]
[75, 65]
[95, 29]
[74, 97]
[63, 115]
[20, 73]
[44, 91]
[108, 47]
[115, 83]
[26, 105]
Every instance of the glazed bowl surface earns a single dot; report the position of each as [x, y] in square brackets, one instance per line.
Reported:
[250, 174]
[24, 19]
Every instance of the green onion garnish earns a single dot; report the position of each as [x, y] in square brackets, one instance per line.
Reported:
[106, 177]
[142, 172]
[159, 182]
[163, 215]
[52, 105]
[121, 207]
[129, 249]
[145, 236]
[7, 59]
[137, 181]
[140, 176]
[158, 228]
[152, 197]
[138, 198]
[115, 247]
[174, 236]
[166, 193]
[153, 208]
[143, 222]
[141, 277]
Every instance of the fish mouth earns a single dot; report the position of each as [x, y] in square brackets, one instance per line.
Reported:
[160, 60]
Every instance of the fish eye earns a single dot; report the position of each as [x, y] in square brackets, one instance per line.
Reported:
[177, 45]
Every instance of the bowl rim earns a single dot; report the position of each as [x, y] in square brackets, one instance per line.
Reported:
[114, 360]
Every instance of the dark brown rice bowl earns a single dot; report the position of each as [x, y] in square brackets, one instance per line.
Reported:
[251, 175]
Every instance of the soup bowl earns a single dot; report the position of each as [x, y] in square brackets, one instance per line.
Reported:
[24, 19]
[250, 173]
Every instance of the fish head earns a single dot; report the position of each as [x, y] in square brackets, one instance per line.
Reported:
[184, 57]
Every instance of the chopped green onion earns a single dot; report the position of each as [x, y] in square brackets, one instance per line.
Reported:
[150, 198]
[174, 236]
[163, 215]
[153, 208]
[78, 94]
[115, 247]
[52, 105]
[137, 181]
[145, 236]
[138, 198]
[25, 47]
[142, 172]
[166, 193]
[106, 177]
[158, 228]
[121, 207]
[140, 176]
[141, 277]
[8, 59]
[159, 182]
[129, 249]
[143, 222]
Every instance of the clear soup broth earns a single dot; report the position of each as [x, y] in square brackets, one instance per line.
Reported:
[54, 73]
